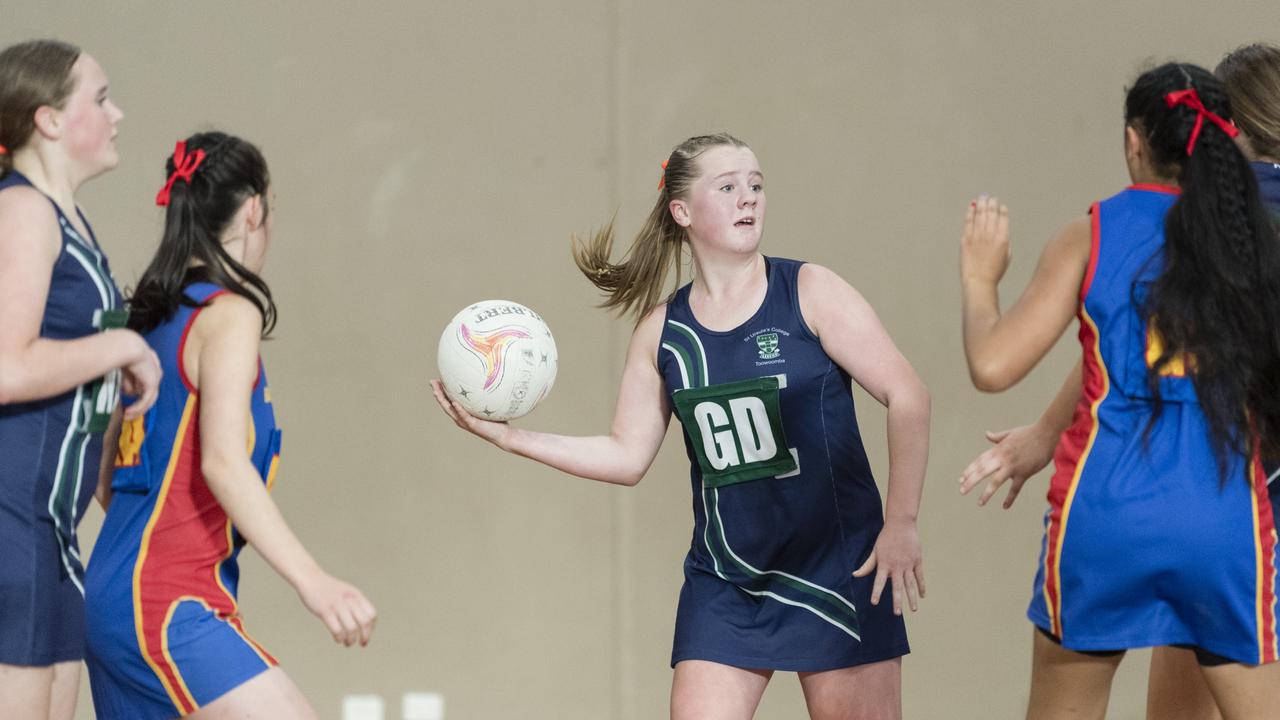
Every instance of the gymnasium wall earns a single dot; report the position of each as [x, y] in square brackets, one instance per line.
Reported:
[428, 154]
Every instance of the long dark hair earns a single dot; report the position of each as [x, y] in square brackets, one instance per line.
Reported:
[1216, 302]
[232, 171]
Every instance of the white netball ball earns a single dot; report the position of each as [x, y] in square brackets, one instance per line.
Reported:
[497, 359]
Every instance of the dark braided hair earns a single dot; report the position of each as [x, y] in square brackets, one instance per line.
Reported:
[1216, 300]
[232, 171]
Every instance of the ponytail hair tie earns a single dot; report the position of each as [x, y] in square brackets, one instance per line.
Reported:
[1191, 99]
[662, 182]
[184, 168]
[4, 150]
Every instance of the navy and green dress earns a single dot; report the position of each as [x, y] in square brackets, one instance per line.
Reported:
[49, 460]
[784, 503]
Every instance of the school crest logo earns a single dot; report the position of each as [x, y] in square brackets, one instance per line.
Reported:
[768, 344]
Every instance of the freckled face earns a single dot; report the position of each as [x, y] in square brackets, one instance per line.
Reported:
[726, 203]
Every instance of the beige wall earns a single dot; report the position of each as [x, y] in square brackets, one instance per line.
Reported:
[427, 155]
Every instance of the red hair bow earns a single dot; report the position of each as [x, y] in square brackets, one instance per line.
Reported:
[184, 167]
[1191, 99]
[662, 182]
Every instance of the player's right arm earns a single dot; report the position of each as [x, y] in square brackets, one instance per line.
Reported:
[1023, 451]
[32, 367]
[639, 421]
[222, 360]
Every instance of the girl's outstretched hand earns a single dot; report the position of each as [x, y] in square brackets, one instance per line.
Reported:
[897, 559]
[984, 246]
[1018, 454]
[494, 432]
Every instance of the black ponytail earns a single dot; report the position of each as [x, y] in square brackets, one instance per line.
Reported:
[1216, 301]
[232, 171]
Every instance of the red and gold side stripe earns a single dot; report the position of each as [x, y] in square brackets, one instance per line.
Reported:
[1062, 490]
[153, 649]
[1264, 538]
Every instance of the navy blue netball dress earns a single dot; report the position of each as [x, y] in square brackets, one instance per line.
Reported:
[784, 503]
[49, 455]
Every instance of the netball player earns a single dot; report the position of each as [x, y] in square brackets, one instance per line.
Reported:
[756, 357]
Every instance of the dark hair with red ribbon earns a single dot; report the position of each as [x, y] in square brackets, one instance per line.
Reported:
[198, 212]
[1217, 297]
[1191, 99]
[184, 168]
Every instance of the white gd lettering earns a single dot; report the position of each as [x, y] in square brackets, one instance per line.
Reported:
[719, 446]
[750, 432]
[752, 423]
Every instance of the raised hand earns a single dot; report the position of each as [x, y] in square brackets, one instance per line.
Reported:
[984, 246]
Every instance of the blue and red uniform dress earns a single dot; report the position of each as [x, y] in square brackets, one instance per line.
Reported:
[784, 503]
[1145, 542]
[49, 460]
[165, 634]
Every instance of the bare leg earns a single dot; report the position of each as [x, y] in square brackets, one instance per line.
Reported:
[64, 691]
[703, 690]
[25, 691]
[271, 695]
[864, 692]
[1067, 685]
[1176, 689]
[1245, 692]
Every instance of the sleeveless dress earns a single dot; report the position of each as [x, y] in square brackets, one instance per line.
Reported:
[49, 458]
[164, 629]
[784, 503]
[1145, 544]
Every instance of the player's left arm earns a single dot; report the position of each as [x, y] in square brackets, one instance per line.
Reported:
[854, 338]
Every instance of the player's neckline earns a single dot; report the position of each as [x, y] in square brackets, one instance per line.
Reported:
[768, 280]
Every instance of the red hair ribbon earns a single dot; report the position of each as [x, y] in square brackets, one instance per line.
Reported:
[184, 167]
[662, 182]
[1191, 99]
[4, 150]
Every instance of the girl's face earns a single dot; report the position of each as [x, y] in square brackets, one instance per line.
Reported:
[725, 206]
[89, 120]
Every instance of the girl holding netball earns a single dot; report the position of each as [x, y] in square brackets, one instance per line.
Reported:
[756, 357]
